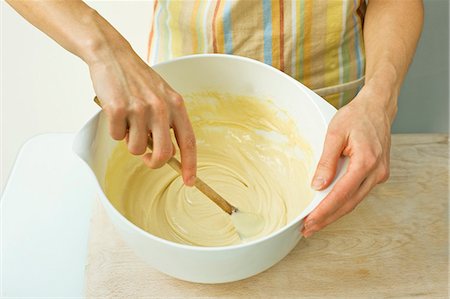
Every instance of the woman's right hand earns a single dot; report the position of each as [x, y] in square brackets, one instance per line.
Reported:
[139, 104]
[137, 100]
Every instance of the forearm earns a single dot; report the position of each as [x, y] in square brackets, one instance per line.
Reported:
[391, 32]
[74, 25]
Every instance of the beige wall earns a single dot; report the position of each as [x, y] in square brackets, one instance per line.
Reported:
[424, 99]
[46, 89]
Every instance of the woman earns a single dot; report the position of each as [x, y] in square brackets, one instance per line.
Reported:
[327, 45]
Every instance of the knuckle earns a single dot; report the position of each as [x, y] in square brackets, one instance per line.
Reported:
[164, 154]
[345, 198]
[337, 199]
[161, 85]
[189, 142]
[149, 161]
[333, 137]
[377, 150]
[333, 133]
[117, 109]
[178, 101]
[136, 149]
[384, 174]
[117, 135]
[370, 160]
[371, 156]
[139, 108]
[157, 161]
[325, 164]
[159, 108]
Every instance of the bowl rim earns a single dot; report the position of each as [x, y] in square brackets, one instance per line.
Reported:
[297, 220]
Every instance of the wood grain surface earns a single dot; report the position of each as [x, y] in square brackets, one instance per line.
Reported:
[394, 244]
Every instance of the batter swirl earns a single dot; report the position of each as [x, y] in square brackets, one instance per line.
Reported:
[248, 151]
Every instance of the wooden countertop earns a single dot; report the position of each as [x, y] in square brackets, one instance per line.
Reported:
[394, 244]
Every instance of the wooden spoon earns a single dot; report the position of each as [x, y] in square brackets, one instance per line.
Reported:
[199, 184]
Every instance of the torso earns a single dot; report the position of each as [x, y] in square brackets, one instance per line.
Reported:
[319, 43]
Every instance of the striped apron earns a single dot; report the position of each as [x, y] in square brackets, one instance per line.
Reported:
[317, 42]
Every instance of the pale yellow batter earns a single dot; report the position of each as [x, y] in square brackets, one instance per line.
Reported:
[248, 151]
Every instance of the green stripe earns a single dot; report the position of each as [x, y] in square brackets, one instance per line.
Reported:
[346, 61]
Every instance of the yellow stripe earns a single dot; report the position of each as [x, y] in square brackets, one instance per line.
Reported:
[334, 18]
[194, 36]
[318, 33]
[185, 26]
[175, 9]
[351, 44]
[199, 26]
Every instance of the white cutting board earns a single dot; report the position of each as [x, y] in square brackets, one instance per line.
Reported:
[45, 215]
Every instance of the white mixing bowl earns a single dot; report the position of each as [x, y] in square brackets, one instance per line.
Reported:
[235, 75]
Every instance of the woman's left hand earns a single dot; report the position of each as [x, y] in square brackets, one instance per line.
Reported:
[361, 131]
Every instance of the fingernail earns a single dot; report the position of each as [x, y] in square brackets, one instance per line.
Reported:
[317, 183]
[309, 224]
[308, 234]
[191, 180]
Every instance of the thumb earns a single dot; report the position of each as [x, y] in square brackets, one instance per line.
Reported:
[326, 168]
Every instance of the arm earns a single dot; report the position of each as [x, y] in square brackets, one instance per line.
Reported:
[361, 129]
[135, 98]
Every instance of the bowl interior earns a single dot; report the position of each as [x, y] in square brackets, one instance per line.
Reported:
[243, 76]
[234, 75]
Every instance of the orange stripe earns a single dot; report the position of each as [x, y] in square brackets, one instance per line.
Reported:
[282, 35]
[150, 39]
[220, 31]
[216, 9]
[275, 33]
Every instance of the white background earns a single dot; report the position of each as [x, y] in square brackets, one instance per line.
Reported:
[46, 89]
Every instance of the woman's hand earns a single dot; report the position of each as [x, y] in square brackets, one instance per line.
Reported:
[360, 131]
[137, 100]
[139, 103]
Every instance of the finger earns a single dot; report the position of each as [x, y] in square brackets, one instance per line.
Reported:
[117, 121]
[385, 169]
[326, 168]
[174, 149]
[163, 149]
[137, 133]
[346, 208]
[343, 190]
[185, 137]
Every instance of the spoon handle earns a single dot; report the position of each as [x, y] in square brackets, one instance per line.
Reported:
[204, 188]
[199, 184]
